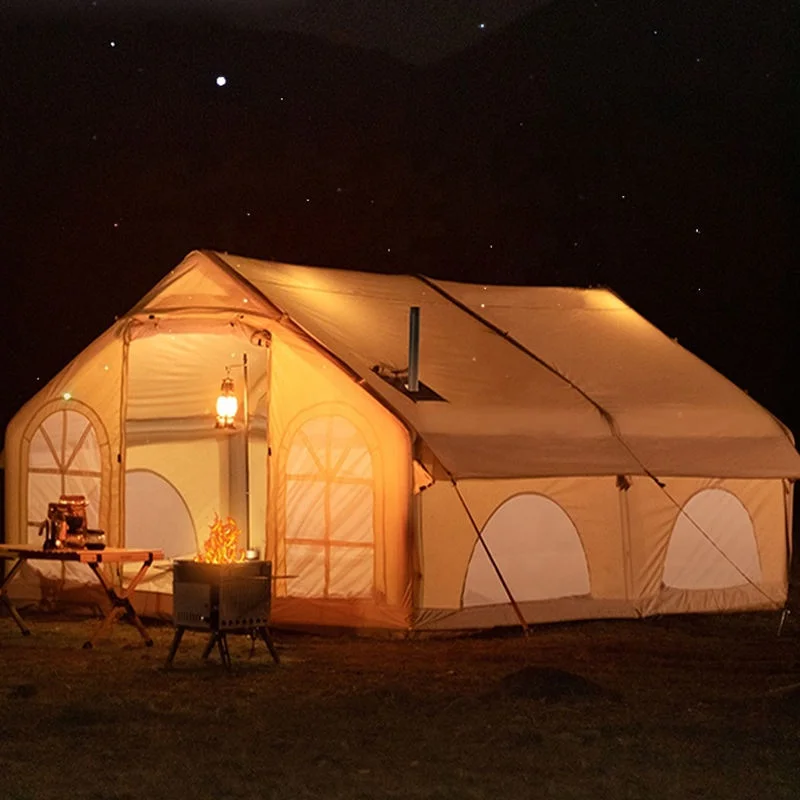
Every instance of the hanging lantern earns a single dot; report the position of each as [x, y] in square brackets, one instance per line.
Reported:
[227, 404]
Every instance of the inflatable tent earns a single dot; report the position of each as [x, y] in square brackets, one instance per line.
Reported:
[559, 458]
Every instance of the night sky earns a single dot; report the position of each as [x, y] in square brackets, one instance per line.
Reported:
[644, 146]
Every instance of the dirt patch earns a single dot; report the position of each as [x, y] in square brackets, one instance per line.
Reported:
[669, 708]
[553, 685]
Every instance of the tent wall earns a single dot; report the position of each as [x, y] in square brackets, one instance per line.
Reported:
[709, 545]
[590, 509]
[340, 476]
[65, 440]
[693, 545]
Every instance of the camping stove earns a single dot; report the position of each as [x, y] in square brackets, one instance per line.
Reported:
[222, 599]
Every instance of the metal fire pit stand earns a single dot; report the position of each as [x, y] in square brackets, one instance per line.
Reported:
[220, 639]
[220, 599]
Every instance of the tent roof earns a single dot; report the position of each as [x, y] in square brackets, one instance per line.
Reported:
[534, 381]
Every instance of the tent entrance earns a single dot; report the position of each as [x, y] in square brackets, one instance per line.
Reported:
[196, 470]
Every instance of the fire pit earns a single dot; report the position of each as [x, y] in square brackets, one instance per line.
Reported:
[222, 594]
[222, 599]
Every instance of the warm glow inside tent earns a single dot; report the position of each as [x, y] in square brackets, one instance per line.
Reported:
[562, 459]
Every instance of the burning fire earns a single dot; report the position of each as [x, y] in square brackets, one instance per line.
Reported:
[222, 545]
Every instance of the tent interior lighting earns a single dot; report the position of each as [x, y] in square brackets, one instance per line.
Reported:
[227, 403]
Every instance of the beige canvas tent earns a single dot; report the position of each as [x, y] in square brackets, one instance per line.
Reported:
[561, 458]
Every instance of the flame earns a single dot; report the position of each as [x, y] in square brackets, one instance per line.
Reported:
[222, 545]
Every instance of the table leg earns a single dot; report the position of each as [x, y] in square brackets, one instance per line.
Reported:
[110, 619]
[120, 605]
[7, 600]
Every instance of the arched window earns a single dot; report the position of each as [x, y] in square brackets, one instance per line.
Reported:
[713, 545]
[537, 550]
[63, 458]
[329, 540]
[156, 515]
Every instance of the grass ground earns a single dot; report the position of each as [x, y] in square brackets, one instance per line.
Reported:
[680, 707]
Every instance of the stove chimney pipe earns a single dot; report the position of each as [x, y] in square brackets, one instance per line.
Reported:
[413, 349]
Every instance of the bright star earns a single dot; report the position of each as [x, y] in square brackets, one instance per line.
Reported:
[221, 80]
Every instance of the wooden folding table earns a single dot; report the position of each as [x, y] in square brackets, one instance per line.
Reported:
[120, 599]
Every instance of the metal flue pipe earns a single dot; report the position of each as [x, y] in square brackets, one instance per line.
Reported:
[413, 349]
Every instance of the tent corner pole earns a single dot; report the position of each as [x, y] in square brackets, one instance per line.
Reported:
[246, 413]
[506, 588]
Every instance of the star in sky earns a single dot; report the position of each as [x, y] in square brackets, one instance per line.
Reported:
[413, 31]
